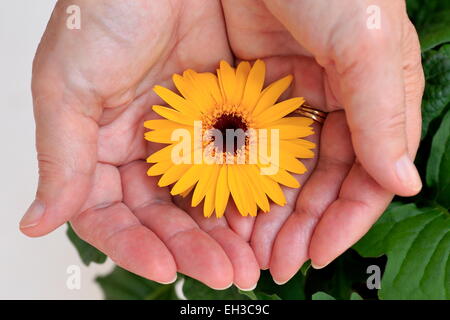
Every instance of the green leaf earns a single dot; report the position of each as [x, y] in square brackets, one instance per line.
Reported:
[305, 267]
[294, 289]
[436, 98]
[355, 296]
[87, 252]
[260, 295]
[195, 290]
[422, 12]
[436, 31]
[124, 285]
[417, 244]
[322, 296]
[438, 166]
[341, 277]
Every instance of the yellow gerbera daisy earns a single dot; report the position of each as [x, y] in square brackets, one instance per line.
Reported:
[231, 101]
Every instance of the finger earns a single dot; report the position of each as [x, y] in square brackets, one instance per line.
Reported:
[372, 91]
[66, 141]
[336, 157]
[267, 225]
[414, 86]
[360, 203]
[243, 226]
[309, 84]
[110, 226]
[118, 233]
[245, 267]
[196, 253]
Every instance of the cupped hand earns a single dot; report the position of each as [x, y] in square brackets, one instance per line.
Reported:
[92, 93]
[370, 80]
[91, 90]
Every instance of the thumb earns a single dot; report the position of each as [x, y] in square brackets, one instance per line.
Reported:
[372, 91]
[66, 141]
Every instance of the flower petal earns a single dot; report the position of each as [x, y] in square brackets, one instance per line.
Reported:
[272, 189]
[189, 178]
[292, 121]
[234, 185]
[271, 94]
[292, 164]
[296, 150]
[205, 181]
[160, 124]
[164, 154]
[249, 198]
[159, 168]
[285, 178]
[278, 111]
[305, 143]
[227, 80]
[253, 86]
[174, 115]
[176, 102]
[193, 95]
[173, 174]
[242, 72]
[291, 132]
[211, 83]
[165, 135]
[210, 196]
[255, 185]
[222, 191]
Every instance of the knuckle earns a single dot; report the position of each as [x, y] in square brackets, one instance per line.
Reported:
[53, 168]
[387, 124]
[394, 124]
[309, 206]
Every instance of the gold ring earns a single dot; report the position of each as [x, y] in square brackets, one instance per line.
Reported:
[309, 112]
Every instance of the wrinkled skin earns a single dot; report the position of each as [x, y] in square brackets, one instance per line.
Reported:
[92, 93]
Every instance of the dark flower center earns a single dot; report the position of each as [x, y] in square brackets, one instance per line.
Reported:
[232, 129]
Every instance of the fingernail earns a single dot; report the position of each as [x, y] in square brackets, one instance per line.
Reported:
[171, 281]
[33, 215]
[223, 288]
[317, 267]
[280, 283]
[246, 289]
[407, 173]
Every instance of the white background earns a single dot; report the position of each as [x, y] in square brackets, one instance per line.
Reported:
[29, 268]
